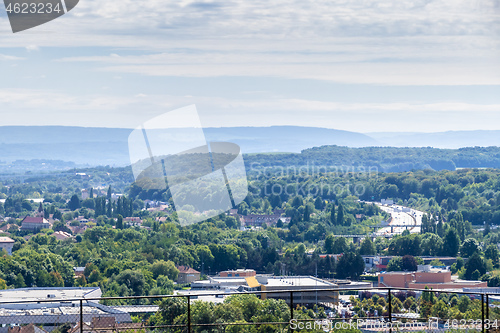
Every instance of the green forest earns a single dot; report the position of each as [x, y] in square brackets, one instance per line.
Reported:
[461, 206]
[322, 207]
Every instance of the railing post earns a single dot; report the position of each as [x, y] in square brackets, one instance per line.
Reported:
[189, 313]
[291, 308]
[390, 307]
[81, 315]
[482, 313]
[487, 307]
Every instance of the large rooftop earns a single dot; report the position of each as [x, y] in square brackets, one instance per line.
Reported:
[34, 219]
[6, 240]
[297, 281]
[41, 294]
[23, 306]
[54, 311]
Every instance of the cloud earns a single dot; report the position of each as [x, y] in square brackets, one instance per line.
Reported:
[350, 41]
[386, 42]
[25, 99]
[293, 20]
[32, 47]
[9, 57]
[443, 61]
[296, 18]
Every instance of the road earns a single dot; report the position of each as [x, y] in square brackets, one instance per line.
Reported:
[401, 216]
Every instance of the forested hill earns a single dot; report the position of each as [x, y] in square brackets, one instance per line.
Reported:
[386, 159]
[109, 146]
[54, 148]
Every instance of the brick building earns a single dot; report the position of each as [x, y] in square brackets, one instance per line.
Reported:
[426, 277]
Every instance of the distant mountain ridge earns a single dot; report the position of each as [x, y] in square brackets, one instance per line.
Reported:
[286, 138]
[109, 146]
[101, 146]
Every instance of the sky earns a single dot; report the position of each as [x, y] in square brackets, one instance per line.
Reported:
[357, 65]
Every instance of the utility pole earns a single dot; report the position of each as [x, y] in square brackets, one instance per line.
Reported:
[316, 282]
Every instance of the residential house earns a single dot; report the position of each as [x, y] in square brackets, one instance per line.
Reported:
[359, 217]
[62, 235]
[34, 224]
[7, 244]
[187, 275]
[255, 220]
[82, 220]
[30, 328]
[133, 221]
[153, 203]
[7, 227]
[78, 271]
[77, 229]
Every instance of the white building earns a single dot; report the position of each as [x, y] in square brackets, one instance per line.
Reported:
[6, 244]
[281, 284]
[52, 307]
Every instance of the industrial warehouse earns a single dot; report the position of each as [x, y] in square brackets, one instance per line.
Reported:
[52, 307]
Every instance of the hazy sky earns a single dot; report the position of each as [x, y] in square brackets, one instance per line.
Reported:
[360, 65]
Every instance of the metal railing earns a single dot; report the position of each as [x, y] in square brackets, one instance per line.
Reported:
[97, 315]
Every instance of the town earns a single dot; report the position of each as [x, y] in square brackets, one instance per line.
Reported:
[338, 257]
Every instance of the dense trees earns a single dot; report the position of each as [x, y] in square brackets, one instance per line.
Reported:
[350, 265]
[431, 245]
[409, 263]
[236, 309]
[166, 268]
[451, 243]
[30, 268]
[429, 304]
[452, 201]
[386, 159]
[475, 267]
[367, 247]
[405, 263]
[491, 253]
[335, 245]
[404, 245]
[469, 196]
[74, 202]
[469, 247]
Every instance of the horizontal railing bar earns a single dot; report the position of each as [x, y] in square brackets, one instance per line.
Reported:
[248, 293]
[248, 323]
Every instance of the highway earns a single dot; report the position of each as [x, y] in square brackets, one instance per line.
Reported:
[400, 216]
